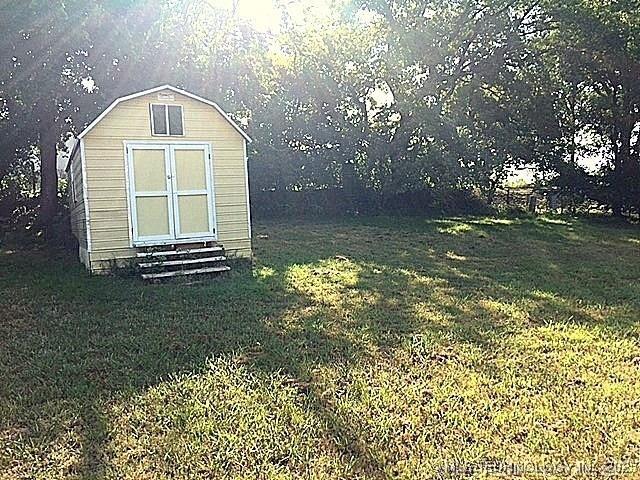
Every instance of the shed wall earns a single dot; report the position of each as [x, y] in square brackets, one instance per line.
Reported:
[77, 210]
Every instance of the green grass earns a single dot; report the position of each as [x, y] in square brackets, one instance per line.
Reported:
[355, 349]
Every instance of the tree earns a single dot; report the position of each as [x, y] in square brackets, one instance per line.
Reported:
[601, 43]
[43, 69]
[393, 96]
[465, 106]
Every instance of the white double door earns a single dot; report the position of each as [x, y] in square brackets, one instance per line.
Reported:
[170, 192]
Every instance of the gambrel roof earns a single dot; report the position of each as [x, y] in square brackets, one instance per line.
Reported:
[157, 89]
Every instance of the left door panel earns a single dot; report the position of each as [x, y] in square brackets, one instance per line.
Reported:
[152, 206]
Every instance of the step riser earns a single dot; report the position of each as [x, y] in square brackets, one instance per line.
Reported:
[186, 251]
[176, 262]
[178, 273]
[188, 261]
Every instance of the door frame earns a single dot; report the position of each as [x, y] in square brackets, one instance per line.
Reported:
[169, 146]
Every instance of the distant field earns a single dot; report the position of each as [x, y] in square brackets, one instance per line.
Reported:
[373, 348]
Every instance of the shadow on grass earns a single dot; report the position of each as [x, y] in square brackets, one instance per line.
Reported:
[321, 295]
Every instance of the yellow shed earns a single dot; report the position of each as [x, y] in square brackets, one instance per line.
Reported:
[161, 175]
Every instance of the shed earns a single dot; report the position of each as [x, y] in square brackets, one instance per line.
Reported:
[162, 171]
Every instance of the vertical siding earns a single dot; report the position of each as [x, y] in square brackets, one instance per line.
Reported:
[77, 208]
[106, 181]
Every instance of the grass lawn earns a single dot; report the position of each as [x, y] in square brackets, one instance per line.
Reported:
[372, 348]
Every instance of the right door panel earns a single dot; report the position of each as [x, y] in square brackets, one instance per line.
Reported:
[193, 192]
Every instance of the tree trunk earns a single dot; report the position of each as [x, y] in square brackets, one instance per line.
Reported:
[617, 178]
[616, 209]
[48, 177]
[624, 170]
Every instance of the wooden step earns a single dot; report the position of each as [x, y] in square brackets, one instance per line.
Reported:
[186, 251]
[148, 276]
[167, 263]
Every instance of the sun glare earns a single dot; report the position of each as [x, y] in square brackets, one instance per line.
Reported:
[266, 16]
[262, 13]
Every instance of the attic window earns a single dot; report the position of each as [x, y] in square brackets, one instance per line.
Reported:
[166, 119]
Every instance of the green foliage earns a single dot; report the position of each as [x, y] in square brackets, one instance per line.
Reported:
[598, 58]
[393, 96]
